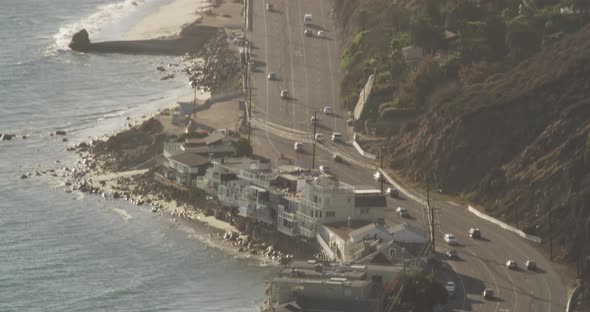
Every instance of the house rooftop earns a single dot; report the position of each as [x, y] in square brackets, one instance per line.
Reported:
[190, 160]
[343, 230]
[363, 230]
[214, 138]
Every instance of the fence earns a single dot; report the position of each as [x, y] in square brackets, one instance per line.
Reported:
[504, 225]
[362, 152]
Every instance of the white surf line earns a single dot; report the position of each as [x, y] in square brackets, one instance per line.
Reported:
[266, 74]
[331, 73]
[291, 61]
[306, 70]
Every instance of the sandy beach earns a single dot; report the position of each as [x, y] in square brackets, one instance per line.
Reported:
[168, 20]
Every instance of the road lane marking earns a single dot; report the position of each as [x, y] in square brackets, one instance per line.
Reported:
[291, 50]
[331, 73]
[267, 81]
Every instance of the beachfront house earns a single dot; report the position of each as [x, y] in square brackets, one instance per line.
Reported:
[184, 168]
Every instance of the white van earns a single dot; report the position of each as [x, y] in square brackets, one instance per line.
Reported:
[307, 19]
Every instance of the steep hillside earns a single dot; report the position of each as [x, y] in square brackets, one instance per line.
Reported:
[517, 143]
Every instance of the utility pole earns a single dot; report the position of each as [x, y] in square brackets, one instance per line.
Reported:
[249, 100]
[315, 128]
[381, 178]
[550, 235]
[431, 215]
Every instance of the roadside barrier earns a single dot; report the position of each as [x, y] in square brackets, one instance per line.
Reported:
[504, 225]
[362, 152]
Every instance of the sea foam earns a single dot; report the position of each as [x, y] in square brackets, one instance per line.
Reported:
[105, 15]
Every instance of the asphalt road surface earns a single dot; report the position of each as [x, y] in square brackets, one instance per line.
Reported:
[308, 68]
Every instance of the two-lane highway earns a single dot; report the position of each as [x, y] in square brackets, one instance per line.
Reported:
[308, 68]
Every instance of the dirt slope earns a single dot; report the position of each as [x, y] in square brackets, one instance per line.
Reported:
[517, 144]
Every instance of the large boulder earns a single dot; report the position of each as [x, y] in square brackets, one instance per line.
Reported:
[80, 41]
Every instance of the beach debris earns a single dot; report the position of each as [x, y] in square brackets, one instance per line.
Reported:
[161, 68]
[60, 132]
[167, 77]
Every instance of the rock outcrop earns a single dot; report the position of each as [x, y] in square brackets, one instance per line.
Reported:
[80, 41]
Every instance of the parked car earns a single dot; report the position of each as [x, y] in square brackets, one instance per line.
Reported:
[452, 254]
[272, 76]
[531, 265]
[488, 293]
[475, 233]
[336, 136]
[328, 110]
[337, 157]
[324, 169]
[450, 286]
[511, 264]
[284, 94]
[450, 239]
[403, 212]
[308, 32]
[392, 191]
[298, 146]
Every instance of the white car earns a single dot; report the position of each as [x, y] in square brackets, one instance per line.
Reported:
[392, 191]
[328, 110]
[314, 120]
[450, 239]
[321, 34]
[284, 94]
[337, 157]
[308, 33]
[488, 293]
[377, 176]
[298, 146]
[511, 264]
[336, 136]
[319, 136]
[450, 286]
[272, 76]
[269, 7]
[324, 169]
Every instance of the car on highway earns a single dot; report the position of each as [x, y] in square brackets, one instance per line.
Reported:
[531, 265]
[321, 34]
[328, 110]
[452, 254]
[337, 157]
[269, 7]
[272, 76]
[475, 233]
[298, 146]
[450, 287]
[324, 169]
[402, 212]
[284, 94]
[307, 19]
[336, 136]
[319, 136]
[450, 239]
[308, 32]
[392, 191]
[488, 293]
[314, 120]
[511, 264]
[377, 176]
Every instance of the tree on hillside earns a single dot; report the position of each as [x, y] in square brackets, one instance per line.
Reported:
[464, 11]
[522, 38]
[423, 291]
[242, 147]
[425, 33]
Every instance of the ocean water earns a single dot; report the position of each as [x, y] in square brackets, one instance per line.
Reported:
[69, 252]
